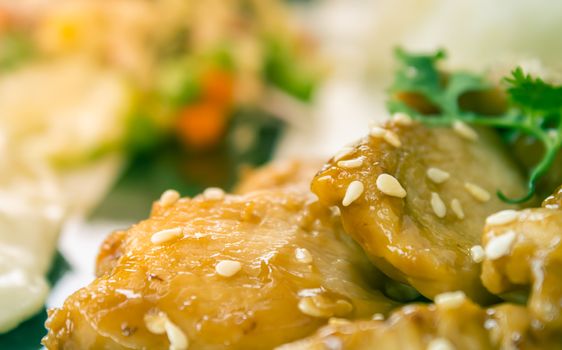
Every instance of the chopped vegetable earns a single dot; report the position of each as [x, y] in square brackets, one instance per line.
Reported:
[283, 70]
[534, 109]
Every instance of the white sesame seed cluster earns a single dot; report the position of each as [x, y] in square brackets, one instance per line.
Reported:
[388, 136]
[159, 323]
[390, 186]
[500, 246]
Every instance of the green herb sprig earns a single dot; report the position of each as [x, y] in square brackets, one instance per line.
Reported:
[535, 107]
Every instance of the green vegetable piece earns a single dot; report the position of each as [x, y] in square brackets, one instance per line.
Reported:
[535, 106]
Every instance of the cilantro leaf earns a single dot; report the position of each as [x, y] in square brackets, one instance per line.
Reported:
[535, 109]
[419, 74]
[533, 94]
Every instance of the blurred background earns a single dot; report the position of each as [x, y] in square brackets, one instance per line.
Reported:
[104, 104]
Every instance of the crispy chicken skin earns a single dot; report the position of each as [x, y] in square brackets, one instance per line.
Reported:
[404, 237]
[524, 255]
[297, 269]
[459, 325]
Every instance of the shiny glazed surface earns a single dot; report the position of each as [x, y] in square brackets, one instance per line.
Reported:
[257, 308]
[404, 237]
[464, 326]
[532, 264]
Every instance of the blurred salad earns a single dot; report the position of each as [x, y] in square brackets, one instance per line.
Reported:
[192, 65]
[178, 93]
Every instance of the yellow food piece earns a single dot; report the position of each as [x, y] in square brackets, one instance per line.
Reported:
[274, 295]
[291, 173]
[465, 326]
[398, 226]
[531, 263]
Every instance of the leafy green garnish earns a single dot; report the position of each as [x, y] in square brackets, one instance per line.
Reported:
[535, 107]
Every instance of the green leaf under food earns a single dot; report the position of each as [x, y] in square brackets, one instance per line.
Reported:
[535, 106]
[420, 74]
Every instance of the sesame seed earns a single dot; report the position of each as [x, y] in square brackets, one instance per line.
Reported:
[344, 152]
[335, 210]
[378, 317]
[377, 131]
[477, 253]
[166, 235]
[178, 339]
[457, 208]
[213, 193]
[503, 217]
[437, 175]
[440, 344]
[303, 255]
[354, 191]
[392, 139]
[324, 178]
[228, 268]
[387, 135]
[477, 192]
[351, 163]
[155, 322]
[308, 307]
[390, 186]
[402, 119]
[437, 205]
[320, 306]
[465, 131]
[450, 299]
[169, 197]
[500, 245]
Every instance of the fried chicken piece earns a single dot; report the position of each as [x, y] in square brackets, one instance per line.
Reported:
[415, 199]
[523, 255]
[293, 173]
[221, 272]
[454, 323]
